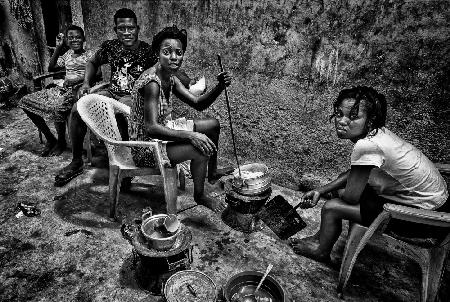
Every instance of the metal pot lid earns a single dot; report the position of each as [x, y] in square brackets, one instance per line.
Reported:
[182, 242]
[251, 191]
[190, 286]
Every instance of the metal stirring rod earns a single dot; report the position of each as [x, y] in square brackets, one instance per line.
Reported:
[229, 119]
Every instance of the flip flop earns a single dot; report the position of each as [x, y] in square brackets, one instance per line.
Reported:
[225, 170]
[220, 172]
[67, 174]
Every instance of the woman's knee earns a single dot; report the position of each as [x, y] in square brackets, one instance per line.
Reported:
[208, 126]
[179, 153]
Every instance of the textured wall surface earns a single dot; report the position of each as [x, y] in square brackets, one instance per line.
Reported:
[21, 50]
[291, 58]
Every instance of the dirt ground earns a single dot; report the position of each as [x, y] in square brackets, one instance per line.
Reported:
[72, 252]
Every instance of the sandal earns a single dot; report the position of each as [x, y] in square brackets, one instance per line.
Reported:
[220, 172]
[67, 174]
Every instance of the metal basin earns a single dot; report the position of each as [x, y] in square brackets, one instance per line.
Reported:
[246, 282]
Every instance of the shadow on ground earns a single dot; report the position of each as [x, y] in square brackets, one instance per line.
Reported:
[73, 252]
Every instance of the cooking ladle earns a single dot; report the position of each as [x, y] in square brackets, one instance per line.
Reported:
[231, 124]
[252, 297]
[171, 223]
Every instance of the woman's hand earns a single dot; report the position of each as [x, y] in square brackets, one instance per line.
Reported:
[224, 79]
[202, 143]
[310, 199]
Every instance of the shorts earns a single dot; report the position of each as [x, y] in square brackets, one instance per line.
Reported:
[371, 205]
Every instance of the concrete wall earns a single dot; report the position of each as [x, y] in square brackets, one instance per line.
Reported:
[23, 47]
[291, 58]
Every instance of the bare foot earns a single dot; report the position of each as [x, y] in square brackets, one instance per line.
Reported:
[314, 238]
[310, 249]
[211, 203]
[215, 176]
[58, 149]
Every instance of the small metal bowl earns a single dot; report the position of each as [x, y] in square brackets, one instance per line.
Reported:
[251, 278]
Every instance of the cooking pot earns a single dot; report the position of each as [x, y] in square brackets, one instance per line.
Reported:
[247, 204]
[254, 179]
[151, 229]
[190, 286]
[246, 282]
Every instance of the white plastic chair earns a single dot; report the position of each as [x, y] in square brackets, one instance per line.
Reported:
[429, 253]
[98, 112]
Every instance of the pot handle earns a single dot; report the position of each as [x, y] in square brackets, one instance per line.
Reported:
[147, 212]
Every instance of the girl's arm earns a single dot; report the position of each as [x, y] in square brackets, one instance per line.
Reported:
[336, 184]
[52, 65]
[204, 101]
[354, 181]
[158, 131]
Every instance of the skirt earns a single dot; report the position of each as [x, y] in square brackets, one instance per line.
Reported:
[53, 103]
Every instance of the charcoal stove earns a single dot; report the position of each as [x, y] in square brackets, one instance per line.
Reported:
[154, 267]
[242, 209]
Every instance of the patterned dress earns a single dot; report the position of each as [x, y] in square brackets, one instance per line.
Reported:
[55, 103]
[144, 157]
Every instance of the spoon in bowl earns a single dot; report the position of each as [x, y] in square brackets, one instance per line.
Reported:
[252, 297]
[171, 223]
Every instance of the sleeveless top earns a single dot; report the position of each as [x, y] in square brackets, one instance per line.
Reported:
[143, 157]
[136, 119]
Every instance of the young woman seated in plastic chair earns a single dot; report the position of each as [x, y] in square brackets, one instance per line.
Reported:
[384, 169]
[184, 139]
[55, 103]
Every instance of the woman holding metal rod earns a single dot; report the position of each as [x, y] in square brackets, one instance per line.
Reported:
[183, 139]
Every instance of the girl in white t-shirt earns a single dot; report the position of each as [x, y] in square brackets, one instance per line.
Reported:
[384, 169]
[55, 103]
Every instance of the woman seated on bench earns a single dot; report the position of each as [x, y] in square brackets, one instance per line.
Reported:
[55, 103]
[151, 116]
[384, 169]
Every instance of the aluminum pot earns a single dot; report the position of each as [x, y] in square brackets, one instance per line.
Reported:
[247, 204]
[157, 240]
[248, 184]
[238, 282]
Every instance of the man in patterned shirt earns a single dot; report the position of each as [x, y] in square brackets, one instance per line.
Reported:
[128, 57]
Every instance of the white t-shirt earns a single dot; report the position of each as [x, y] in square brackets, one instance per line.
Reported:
[403, 173]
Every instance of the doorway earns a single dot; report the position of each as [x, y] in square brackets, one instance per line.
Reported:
[55, 23]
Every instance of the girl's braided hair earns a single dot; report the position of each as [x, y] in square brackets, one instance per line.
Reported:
[170, 32]
[374, 103]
